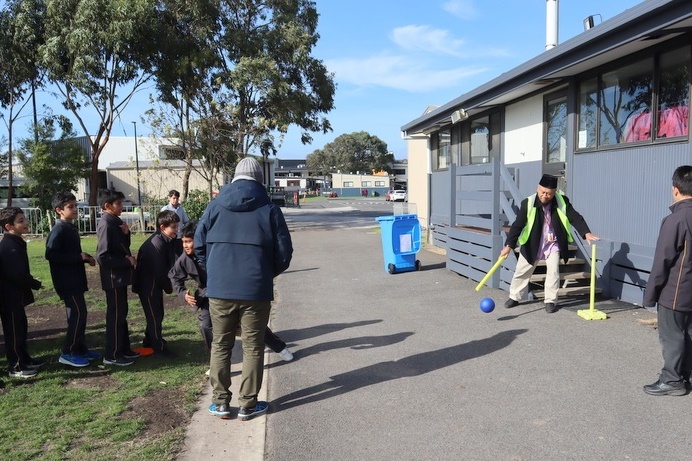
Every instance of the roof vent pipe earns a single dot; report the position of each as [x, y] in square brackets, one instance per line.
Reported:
[551, 24]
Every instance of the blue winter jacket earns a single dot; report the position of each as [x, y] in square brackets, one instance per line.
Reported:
[243, 241]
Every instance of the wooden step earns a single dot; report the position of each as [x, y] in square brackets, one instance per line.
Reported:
[567, 292]
[563, 276]
[570, 262]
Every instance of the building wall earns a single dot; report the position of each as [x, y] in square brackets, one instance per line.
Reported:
[338, 180]
[156, 182]
[418, 177]
[122, 149]
[523, 141]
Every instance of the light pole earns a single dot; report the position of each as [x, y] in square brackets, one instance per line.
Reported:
[139, 193]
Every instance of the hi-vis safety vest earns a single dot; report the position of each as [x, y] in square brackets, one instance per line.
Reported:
[531, 217]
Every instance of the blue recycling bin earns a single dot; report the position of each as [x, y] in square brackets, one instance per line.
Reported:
[400, 242]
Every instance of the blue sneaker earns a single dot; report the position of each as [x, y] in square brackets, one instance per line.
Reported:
[246, 413]
[91, 355]
[221, 409]
[73, 360]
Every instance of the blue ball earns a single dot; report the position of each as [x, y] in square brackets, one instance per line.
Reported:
[487, 305]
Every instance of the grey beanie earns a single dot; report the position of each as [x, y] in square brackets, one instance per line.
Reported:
[248, 168]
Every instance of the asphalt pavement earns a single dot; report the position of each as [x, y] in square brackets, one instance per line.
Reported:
[406, 366]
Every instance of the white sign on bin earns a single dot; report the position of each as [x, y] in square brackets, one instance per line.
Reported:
[405, 243]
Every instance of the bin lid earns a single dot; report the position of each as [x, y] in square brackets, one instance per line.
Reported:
[398, 217]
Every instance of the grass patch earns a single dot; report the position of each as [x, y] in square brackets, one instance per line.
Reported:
[96, 412]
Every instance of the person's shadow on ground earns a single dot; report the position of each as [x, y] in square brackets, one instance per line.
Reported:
[414, 365]
[358, 343]
[319, 330]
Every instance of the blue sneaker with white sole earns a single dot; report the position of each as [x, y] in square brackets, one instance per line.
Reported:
[219, 409]
[246, 413]
[73, 360]
[91, 355]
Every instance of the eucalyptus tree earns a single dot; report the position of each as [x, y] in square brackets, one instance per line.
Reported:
[21, 33]
[268, 78]
[350, 153]
[96, 53]
[183, 62]
[243, 75]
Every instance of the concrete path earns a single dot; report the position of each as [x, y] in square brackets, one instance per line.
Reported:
[406, 366]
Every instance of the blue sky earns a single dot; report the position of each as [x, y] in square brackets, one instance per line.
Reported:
[394, 58]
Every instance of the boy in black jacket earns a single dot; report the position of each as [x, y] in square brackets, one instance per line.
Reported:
[186, 267]
[155, 258]
[66, 259]
[116, 267]
[16, 283]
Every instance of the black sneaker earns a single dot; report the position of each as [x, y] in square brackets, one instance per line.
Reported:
[510, 303]
[551, 308]
[119, 361]
[131, 354]
[34, 364]
[17, 372]
[246, 413]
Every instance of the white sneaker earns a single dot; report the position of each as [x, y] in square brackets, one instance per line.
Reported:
[286, 355]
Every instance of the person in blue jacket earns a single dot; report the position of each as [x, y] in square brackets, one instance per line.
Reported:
[243, 241]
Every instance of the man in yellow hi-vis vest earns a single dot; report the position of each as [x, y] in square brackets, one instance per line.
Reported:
[543, 229]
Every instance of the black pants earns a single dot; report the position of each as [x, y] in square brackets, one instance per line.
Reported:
[272, 341]
[117, 332]
[674, 331]
[15, 327]
[76, 310]
[153, 311]
[205, 326]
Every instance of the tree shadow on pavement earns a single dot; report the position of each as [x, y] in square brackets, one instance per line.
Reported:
[411, 366]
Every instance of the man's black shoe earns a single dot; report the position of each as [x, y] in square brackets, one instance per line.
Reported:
[510, 303]
[659, 388]
[550, 308]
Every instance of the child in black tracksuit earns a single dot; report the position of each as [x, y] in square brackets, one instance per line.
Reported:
[16, 285]
[155, 258]
[66, 259]
[186, 267]
[116, 267]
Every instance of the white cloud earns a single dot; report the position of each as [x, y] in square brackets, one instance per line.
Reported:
[438, 41]
[399, 72]
[425, 38]
[463, 9]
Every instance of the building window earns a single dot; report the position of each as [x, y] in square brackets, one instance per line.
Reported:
[442, 147]
[641, 102]
[625, 104]
[348, 183]
[379, 183]
[556, 129]
[674, 94]
[480, 140]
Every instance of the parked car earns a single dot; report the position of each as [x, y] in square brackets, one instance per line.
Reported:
[388, 195]
[397, 195]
